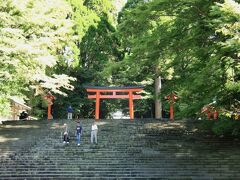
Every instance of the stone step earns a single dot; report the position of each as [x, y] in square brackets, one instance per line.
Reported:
[126, 149]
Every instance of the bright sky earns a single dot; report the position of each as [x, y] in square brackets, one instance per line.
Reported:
[119, 4]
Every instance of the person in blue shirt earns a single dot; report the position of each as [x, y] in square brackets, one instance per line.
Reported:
[79, 130]
[70, 112]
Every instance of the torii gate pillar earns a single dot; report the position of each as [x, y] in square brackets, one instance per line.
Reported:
[131, 111]
[171, 98]
[97, 108]
[49, 97]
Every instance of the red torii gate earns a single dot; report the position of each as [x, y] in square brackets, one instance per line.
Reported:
[114, 93]
[49, 97]
[172, 97]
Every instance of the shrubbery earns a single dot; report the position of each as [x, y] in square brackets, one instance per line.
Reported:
[223, 126]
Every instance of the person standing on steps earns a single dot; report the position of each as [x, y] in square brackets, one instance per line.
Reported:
[70, 112]
[65, 134]
[79, 130]
[94, 130]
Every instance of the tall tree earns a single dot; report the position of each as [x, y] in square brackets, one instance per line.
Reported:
[193, 44]
[32, 34]
[95, 39]
[226, 24]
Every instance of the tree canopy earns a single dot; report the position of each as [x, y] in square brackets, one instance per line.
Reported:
[62, 45]
[192, 45]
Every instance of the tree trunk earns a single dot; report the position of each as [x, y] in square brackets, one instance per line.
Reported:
[158, 103]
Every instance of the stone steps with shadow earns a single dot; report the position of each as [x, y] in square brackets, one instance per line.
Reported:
[139, 149]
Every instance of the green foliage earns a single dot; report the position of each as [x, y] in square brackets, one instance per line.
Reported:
[98, 47]
[32, 33]
[193, 45]
[97, 43]
[206, 126]
[223, 126]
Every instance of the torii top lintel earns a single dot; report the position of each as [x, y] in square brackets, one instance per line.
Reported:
[113, 90]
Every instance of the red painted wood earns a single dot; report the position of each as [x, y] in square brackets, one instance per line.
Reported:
[49, 111]
[114, 90]
[131, 112]
[114, 96]
[171, 98]
[49, 97]
[97, 105]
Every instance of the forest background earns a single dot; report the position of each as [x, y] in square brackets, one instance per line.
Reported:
[60, 46]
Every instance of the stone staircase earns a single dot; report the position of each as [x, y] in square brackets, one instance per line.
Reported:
[139, 149]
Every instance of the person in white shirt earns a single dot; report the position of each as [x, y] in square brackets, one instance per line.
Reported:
[94, 130]
[65, 134]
